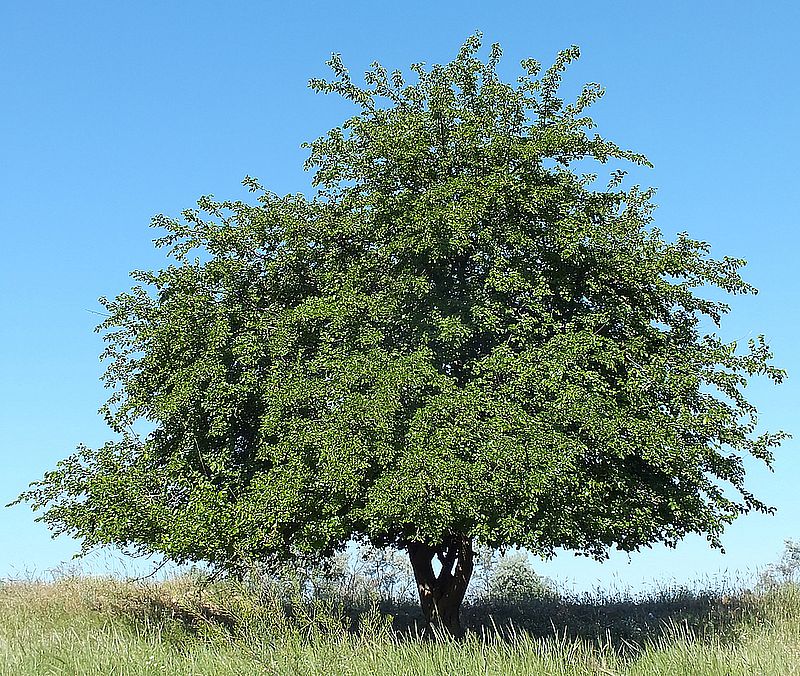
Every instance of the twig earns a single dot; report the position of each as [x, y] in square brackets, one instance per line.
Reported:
[150, 574]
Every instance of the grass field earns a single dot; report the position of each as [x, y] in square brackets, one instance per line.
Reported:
[80, 625]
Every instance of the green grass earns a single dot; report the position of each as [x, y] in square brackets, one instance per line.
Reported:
[81, 625]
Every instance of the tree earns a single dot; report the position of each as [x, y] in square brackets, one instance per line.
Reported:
[458, 340]
[786, 570]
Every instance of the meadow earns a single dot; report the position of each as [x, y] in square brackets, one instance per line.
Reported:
[190, 625]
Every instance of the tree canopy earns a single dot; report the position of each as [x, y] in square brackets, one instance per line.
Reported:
[458, 339]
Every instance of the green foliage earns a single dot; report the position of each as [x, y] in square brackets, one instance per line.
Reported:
[514, 580]
[458, 334]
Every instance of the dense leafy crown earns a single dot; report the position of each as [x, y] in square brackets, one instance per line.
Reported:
[457, 334]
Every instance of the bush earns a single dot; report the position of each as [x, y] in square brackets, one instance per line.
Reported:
[514, 580]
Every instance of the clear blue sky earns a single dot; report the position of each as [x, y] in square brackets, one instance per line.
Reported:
[113, 112]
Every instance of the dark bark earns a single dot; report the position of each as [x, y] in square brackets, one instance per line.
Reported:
[441, 596]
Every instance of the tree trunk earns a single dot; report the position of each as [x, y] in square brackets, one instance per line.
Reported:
[441, 596]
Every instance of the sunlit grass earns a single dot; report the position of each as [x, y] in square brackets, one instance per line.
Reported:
[80, 625]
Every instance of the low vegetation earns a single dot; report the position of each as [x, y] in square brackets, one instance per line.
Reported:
[323, 624]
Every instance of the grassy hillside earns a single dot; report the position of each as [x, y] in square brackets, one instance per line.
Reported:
[99, 626]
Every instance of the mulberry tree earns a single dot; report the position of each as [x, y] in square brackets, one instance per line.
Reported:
[458, 340]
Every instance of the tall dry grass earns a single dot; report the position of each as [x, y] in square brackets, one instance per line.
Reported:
[80, 625]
